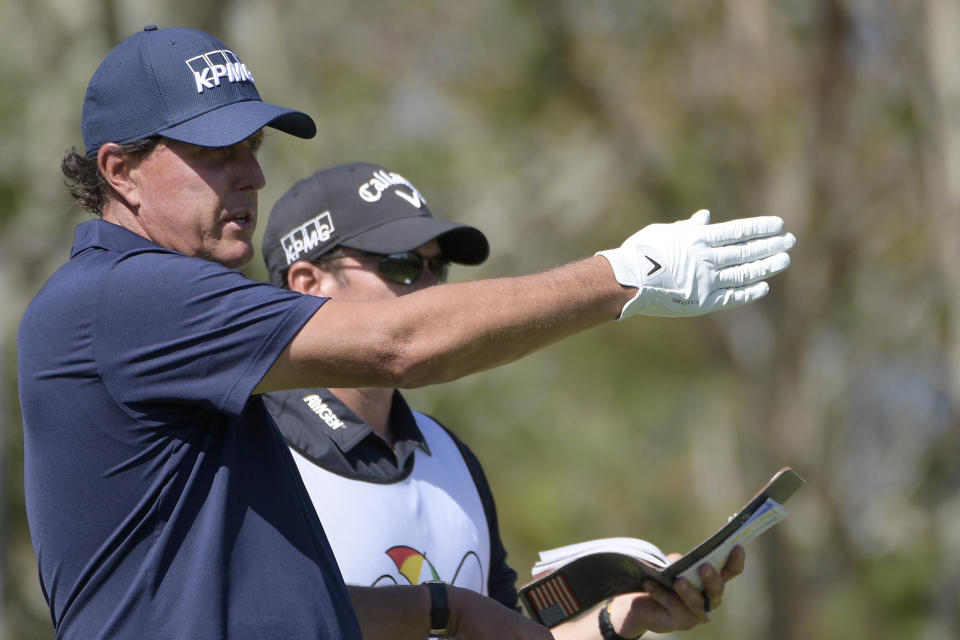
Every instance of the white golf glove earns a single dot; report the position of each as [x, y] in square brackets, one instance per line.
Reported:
[691, 267]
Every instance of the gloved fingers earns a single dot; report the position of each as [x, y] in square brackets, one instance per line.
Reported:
[751, 272]
[735, 297]
[723, 233]
[734, 254]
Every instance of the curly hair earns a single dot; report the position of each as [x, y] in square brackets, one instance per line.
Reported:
[83, 179]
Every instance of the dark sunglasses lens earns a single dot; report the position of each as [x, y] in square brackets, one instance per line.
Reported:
[405, 268]
[439, 269]
[401, 269]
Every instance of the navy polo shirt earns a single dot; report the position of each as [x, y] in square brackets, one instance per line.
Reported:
[161, 499]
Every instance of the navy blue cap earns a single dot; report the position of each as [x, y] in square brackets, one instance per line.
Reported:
[361, 206]
[182, 84]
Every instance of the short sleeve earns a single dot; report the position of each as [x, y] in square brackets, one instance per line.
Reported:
[175, 335]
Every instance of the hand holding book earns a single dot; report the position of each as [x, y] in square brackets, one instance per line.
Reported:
[571, 579]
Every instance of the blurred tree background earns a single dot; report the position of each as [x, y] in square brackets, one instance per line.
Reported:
[559, 128]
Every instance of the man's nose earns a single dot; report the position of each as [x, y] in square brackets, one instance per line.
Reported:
[252, 176]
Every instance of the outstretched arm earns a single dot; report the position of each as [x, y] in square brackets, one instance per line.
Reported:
[445, 332]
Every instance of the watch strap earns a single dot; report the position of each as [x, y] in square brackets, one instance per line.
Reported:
[607, 632]
[439, 612]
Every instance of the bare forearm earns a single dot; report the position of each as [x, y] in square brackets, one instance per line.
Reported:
[486, 324]
[392, 613]
[403, 612]
[445, 332]
[584, 627]
[587, 626]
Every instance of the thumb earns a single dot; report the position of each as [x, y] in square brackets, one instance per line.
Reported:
[700, 218]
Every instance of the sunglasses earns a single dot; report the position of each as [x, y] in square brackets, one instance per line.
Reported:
[405, 267]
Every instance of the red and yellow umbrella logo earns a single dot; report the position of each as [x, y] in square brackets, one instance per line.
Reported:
[412, 564]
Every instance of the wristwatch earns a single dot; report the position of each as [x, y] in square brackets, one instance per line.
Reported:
[439, 613]
[607, 632]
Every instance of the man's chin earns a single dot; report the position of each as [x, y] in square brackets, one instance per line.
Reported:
[235, 257]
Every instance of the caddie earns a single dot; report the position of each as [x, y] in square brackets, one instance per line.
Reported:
[366, 456]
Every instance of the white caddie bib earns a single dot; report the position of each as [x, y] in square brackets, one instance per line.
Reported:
[429, 526]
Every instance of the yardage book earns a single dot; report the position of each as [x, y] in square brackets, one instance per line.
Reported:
[569, 580]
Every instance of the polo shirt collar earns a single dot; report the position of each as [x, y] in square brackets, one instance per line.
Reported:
[106, 235]
[347, 430]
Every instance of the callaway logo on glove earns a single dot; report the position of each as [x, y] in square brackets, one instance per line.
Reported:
[691, 267]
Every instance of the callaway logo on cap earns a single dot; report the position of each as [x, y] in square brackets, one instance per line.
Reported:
[182, 84]
[317, 231]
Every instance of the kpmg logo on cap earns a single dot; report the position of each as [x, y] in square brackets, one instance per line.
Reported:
[213, 66]
[307, 236]
[372, 190]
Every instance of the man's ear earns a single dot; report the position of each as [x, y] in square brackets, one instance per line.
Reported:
[117, 169]
[310, 278]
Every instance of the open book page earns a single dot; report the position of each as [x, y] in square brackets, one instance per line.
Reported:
[640, 549]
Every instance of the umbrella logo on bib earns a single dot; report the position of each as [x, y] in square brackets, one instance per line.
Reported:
[415, 568]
